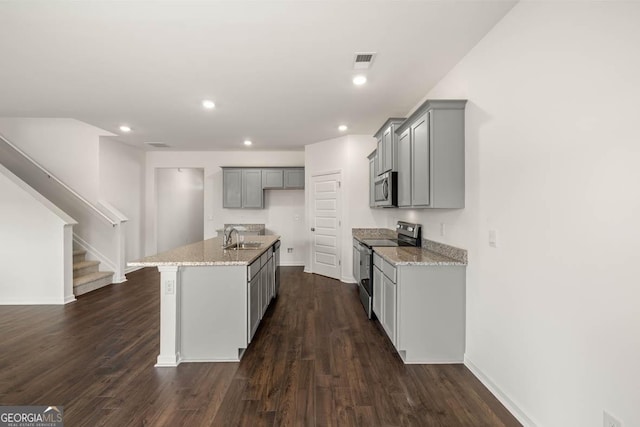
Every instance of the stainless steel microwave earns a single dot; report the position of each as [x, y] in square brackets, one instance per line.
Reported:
[386, 189]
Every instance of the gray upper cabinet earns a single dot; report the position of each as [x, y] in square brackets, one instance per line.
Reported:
[404, 169]
[387, 146]
[372, 179]
[294, 178]
[252, 194]
[244, 187]
[232, 188]
[272, 178]
[431, 156]
[420, 162]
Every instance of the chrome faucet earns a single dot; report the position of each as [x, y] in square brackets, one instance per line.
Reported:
[226, 238]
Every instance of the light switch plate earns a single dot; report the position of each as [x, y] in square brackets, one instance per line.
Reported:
[493, 238]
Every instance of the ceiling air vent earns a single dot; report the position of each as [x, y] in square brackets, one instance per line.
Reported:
[157, 144]
[363, 60]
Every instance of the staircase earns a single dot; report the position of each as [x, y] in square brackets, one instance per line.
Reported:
[86, 277]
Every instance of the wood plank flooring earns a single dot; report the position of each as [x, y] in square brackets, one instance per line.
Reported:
[315, 361]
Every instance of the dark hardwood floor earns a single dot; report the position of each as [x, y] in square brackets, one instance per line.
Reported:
[315, 361]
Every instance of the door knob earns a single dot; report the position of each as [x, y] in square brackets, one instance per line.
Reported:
[313, 229]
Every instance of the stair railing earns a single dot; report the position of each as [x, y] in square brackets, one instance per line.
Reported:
[116, 260]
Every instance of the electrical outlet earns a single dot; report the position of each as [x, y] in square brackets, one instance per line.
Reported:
[493, 238]
[289, 250]
[171, 287]
[442, 230]
[609, 421]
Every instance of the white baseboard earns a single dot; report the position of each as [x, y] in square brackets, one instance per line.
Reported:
[291, 264]
[69, 298]
[508, 403]
[31, 301]
[348, 279]
[132, 269]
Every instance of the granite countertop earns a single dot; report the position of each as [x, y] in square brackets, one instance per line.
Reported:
[431, 252]
[208, 252]
[407, 255]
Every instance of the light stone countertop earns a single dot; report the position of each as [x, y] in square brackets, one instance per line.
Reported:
[407, 255]
[208, 252]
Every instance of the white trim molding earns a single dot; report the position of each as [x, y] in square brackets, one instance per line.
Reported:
[508, 403]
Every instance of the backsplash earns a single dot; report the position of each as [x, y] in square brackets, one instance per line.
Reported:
[446, 250]
[373, 233]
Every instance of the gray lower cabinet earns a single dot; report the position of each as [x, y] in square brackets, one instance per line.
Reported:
[272, 178]
[260, 289]
[430, 156]
[294, 178]
[255, 303]
[377, 292]
[422, 310]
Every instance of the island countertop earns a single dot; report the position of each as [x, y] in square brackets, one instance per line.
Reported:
[208, 252]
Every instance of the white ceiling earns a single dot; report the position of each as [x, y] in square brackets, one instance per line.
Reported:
[279, 71]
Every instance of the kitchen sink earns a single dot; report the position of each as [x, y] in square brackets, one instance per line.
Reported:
[243, 246]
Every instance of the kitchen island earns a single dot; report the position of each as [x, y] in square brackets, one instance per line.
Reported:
[212, 299]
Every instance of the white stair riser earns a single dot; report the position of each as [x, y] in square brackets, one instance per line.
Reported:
[92, 286]
[86, 270]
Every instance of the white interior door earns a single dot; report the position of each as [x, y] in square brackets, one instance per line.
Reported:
[325, 225]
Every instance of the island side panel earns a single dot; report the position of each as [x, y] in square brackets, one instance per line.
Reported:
[169, 316]
[213, 311]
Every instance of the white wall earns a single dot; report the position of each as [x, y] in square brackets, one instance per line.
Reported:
[121, 177]
[552, 165]
[284, 209]
[67, 148]
[347, 154]
[180, 207]
[35, 254]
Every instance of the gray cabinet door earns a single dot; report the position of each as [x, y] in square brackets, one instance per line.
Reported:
[420, 164]
[372, 180]
[252, 194]
[380, 158]
[404, 169]
[389, 308]
[255, 305]
[356, 263]
[387, 147]
[272, 178]
[264, 292]
[294, 178]
[378, 295]
[232, 188]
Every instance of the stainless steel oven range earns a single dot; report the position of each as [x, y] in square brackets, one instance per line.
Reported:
[407, 235]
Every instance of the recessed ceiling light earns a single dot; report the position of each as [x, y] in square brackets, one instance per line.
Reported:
[125, 128]
[247, 142]
[208, 104]
[342, 128]
[359, 80]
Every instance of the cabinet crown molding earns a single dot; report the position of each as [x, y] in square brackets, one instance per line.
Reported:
[432, 104]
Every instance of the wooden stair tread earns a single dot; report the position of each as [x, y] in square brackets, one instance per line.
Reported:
[84, 264]
[79, 252]
[91, 277]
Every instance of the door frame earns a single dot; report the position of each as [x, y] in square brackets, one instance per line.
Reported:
[339, 215]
